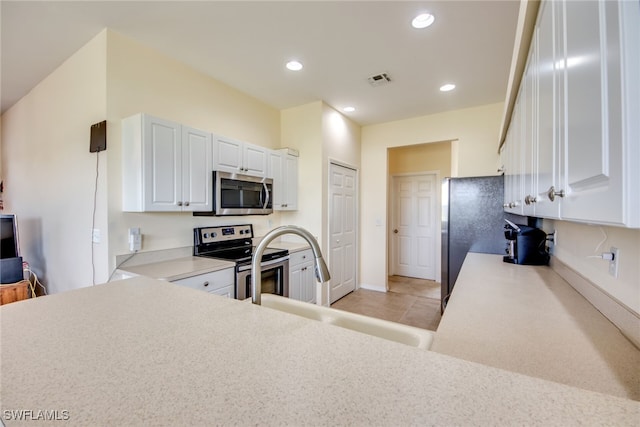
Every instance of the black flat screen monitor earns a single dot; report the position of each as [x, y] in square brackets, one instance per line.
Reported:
[9, 247]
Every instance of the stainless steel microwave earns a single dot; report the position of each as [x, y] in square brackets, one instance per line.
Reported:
[236, 194]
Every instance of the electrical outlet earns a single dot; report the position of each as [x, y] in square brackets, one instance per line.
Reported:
[95, 237]
[135, 239]
[613, 264]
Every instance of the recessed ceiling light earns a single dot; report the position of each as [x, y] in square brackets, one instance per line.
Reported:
[294, 65]
[423, 20]
[349, 109]
[447, 87]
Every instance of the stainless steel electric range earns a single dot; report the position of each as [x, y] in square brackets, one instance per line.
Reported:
[235, 243]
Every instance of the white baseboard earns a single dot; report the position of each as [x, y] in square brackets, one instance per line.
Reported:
[372, 287]
[619, 314]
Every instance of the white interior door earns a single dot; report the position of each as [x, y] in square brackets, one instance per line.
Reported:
[414, 231]
[342, 234]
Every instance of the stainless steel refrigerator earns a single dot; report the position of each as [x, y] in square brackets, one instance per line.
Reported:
[472, 221]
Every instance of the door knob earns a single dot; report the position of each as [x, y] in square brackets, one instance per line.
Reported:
[395, 231]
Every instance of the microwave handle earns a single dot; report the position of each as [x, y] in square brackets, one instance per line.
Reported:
[266, 191]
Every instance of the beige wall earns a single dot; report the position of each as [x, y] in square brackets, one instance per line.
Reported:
[50, 176]
[341, 138]
[301, 128]
[420, 158]
[578, 243]
[322, 135]
[474, 154]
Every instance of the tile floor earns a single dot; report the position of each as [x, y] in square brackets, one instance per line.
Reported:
[414, 302]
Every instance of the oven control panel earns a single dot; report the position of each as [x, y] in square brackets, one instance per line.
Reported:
[224, 233]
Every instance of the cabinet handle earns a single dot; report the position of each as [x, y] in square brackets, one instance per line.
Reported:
[530, 199]
[205, 284]
[552, 193]
[186, 203]
[179, 203]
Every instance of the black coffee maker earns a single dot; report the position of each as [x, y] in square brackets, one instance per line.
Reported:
[525, 245]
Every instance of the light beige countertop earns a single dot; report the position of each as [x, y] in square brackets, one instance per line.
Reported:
[147, 352]
[179, 268]
[527, 319]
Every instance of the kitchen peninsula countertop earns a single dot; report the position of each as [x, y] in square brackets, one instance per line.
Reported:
[146, 352]
[178, 268]
[290, 246]
[527, 319]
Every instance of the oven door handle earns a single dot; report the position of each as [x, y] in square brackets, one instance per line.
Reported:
[265, 264]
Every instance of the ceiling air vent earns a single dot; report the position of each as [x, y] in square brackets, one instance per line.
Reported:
[379, 79]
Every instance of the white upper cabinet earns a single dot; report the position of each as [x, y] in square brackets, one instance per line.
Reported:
[239, 157]
[578, 109]
[594, 115]
[549, 167]
[283, 168]
[530, 133]
[514, 159]
[166, 166]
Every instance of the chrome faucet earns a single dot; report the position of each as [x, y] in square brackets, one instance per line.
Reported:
[322, 272]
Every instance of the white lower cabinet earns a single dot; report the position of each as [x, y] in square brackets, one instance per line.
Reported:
[218, 282]
[302, 282]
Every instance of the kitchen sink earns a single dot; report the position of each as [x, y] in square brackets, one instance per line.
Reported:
[409, 335]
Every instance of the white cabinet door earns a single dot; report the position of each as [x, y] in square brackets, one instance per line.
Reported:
[592, 110]
[290, 182]
[549, 165]
[162, 165]
[302, 282]
[529, 140]
[218, 282]
[513, 155]
[228, 155]
[254, 160]
[276, 173]
[197, 167]
[283, 168]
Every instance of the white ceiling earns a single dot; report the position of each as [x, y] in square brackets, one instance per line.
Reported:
[246, 44]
